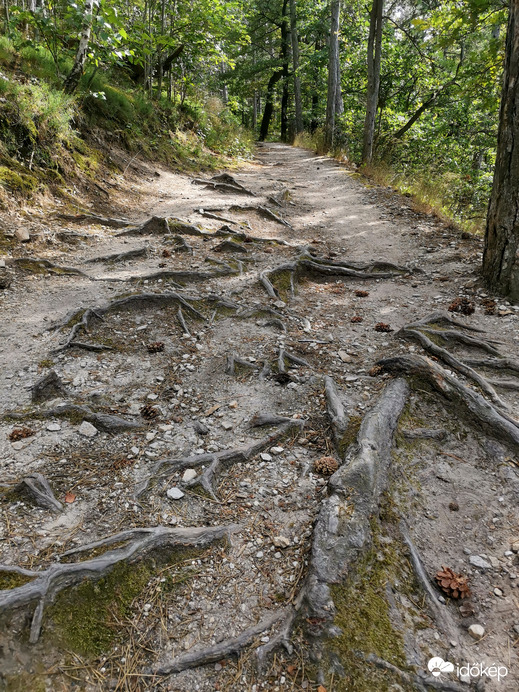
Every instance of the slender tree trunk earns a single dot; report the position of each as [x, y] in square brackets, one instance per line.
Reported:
[269, 105]
[295, 60]
[160, 58]
[71, 82]
[255, 111]
[500, 260]
[339, 102]
[332, 73]
[374, 59]
[285, 50]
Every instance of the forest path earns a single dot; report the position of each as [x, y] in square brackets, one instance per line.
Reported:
[207, 385]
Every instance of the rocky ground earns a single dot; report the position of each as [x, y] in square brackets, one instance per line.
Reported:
[242, 433]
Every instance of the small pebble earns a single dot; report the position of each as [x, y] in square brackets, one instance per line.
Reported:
[53, 427]
[175, 494]
[477, 632]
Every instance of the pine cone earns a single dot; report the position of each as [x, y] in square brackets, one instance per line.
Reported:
[20, 434]
[156, 347]
[375, 371]
[326, 466]
[382, 327]
[463, 305]
[149, 412]
[356, 318]
[166, 253]
[362, 294]
[454, 585]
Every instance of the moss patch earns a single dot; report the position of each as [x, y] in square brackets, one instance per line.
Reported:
[11, 580]
[22, 682]
[18, 182]
[363, 615]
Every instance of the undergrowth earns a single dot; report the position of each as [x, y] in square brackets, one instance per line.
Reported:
[48, 138]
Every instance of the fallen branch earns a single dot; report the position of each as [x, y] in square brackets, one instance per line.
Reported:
[102, 421]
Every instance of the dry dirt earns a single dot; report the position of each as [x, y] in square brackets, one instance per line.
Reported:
[453, 484]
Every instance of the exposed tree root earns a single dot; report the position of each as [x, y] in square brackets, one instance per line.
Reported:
[40, 491]
[342, 532]
[227, 647]
[43, 266]
[94, 218]
[261, 419]
[120, 256]
[49, 387]
[216, 217]
[338, 417]
[102, 421]
[178, 277]
[180, 244]
[265, 212]
[308, 264]
[474, 407]
[156, 225]
[233, 360]
[139, 542]
[425, 434]
[226, 457]
[224, 183]
[230, 246]
[287, 356]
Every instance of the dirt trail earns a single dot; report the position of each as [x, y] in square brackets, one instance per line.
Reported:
[192, 535]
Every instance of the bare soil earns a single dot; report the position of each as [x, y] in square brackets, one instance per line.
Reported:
[452, 486]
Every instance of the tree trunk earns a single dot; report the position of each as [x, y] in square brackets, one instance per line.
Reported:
[295, 61]
[500, 261]
[71, 82]
[374, 58]
[285, 49]
[339, 101]
[269, 105]
[332, 74]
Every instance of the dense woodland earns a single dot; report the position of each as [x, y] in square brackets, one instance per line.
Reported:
[410, 89]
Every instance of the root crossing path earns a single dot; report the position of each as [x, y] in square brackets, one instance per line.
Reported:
[246, 421]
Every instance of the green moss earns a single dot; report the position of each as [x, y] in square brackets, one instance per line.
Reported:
[18, 182]
[363, 615]
[11, 580]
[282, 282]
[76, 317]
[23, 682]
[86, 619]
[46, 363]
[350, 434]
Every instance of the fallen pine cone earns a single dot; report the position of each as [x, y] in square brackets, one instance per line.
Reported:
[382, 327]
[463, 305]
[356, 318]
[326, 466]
[362, 294]
[155, 347]
[20, 434]
[454, 585]
[149, 412]
[489, 305]
[375, 371]
[166, 253]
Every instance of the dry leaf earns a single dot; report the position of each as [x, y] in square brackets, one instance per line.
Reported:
[321, 689]
[69, 498]
[291, 670]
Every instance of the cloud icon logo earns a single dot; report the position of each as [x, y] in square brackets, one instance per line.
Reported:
[437, 666]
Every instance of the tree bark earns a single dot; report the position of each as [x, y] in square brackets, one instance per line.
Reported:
[269, 105]
[295, 62]
[285, 50]
[332, 74]
[71, 82]
[500, 261]
[374, 59]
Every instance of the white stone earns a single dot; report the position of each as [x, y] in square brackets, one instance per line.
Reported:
[189, 474]
[175, 494]
[87, 429]
[265, 457]
[478, 561]
[226, 425]
[345, 357]
[477, 632]
[54, 427]
[281, 541]
[277, 450]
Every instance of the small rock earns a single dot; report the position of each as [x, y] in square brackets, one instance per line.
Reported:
[498, 592]
[189, 474]
[259, 554]
[87, 429]
[234, 404]
[135, 450]
[345, 357]
[515, 546]
[18, 445]
[2, 263]
[175, 494]
[54, 427]
[516, 629]
[279, 304]
[277, 450]
[265, 457]
[22, 234]
[226, 425]
[478, 561]
[477, 632]
[281, 541]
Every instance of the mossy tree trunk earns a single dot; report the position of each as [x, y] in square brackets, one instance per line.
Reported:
[72, 81]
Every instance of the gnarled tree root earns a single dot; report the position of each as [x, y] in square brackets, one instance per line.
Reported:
[103, 421]
[43, 266]
[40, 491]
[49, 387]
[225, 458]
[139, 542]
[225, 648]
[473, 406]
[94, 218]
[119, 256]
[336, 413]
[265, 212]
[308, 264]
[225, 183]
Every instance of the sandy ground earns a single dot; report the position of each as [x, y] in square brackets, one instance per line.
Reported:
[457, 490]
